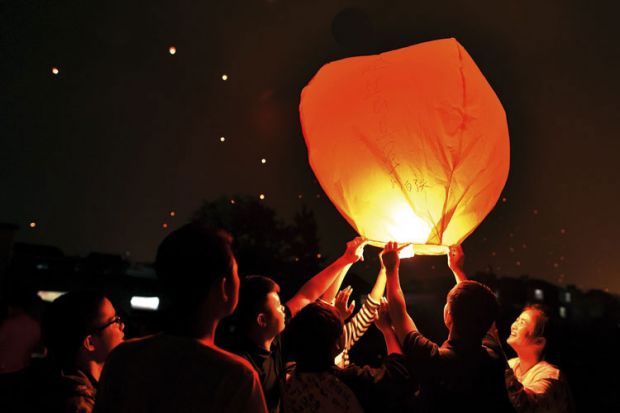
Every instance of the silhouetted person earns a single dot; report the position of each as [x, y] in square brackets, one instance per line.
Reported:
[533, 384]
[317, 385]
[182, 370]
[262, 317]
[465, 373]
[81, 329]
[20, 340]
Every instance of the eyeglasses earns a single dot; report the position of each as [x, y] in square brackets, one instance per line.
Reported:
[115, 320]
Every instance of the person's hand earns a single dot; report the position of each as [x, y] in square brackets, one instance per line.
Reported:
[456, 258]
[355, 250]
[342, 299]
[383, 321]
[389, 256]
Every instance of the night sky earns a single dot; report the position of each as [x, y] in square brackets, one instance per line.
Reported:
[99, 153]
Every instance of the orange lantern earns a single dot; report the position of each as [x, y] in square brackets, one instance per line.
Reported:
[410, 145]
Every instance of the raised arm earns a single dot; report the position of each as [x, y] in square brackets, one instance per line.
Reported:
[317, 285]
[456, 261]
[384, 324]
[401, 321]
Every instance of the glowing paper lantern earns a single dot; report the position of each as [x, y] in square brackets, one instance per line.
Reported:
[410, 145]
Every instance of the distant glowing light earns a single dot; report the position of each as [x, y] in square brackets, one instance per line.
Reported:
[300, 196]
[224, 77]
[144, 303]
[556, 265]
[319, 255]
[263, 161]
[232, 201]
[562, 231]
[518, 263]
[32, 224]
[318, 195]
[222, 139]
[535, 212]
[164, 225]
[538, 294]
[262, 196]
[173, 213]
[50, 295]
[55, 70]
[172, 50]
[524, 246]
[504, 200]
[563, 312]
[493, 253]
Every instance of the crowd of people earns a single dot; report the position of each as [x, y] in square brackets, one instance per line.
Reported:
[280, 357]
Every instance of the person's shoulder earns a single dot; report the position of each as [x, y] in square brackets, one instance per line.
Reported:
[547, 370]
[513, 362]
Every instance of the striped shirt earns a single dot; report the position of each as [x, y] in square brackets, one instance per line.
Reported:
[355, 328]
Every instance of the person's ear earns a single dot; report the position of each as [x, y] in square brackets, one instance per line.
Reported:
[541, 341]
[222, 286]
[261, 320]
[88, 343]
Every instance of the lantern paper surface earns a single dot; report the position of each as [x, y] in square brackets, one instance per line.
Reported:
[410, 145]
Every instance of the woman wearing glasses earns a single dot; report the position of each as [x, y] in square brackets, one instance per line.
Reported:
[81, 329]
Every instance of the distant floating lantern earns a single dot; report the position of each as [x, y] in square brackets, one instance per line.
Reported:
[173, 213]
[164, 225]
[55, 70]
[262, 196]
[172, 50]
[32, 224]
[410, 145]
[224, 77]
[222, 139]
[263, 161]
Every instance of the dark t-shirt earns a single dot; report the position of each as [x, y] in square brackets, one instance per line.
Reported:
[387, 388]
[269, 365]
[458, 376]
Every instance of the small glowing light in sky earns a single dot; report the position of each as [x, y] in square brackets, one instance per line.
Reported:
[511, 249]
[222, 139]
[173, 213]
[232, 201]
[300, 196]
[493, 253]
[172, 50]
[164, 225]
[562, 258]
[524, 246]
[55, 70]
[535, 212]
[556, 265]
[518, 263]
[33, 224]
[319, 255]
[263, 161]
[224, 77]
[504, 199]
[562, 231]
[318, 195]
[262, 196]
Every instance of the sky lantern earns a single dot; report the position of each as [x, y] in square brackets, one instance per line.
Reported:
[410, 145]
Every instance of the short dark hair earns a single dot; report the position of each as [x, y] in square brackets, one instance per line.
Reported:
[541, 322]
[473, 308]
[190, 260]
[312, 334]
[252, 298]
[68, 321]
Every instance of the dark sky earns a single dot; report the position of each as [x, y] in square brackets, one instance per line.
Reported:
[100, 153]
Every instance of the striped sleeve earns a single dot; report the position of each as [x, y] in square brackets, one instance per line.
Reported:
[359, 323]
